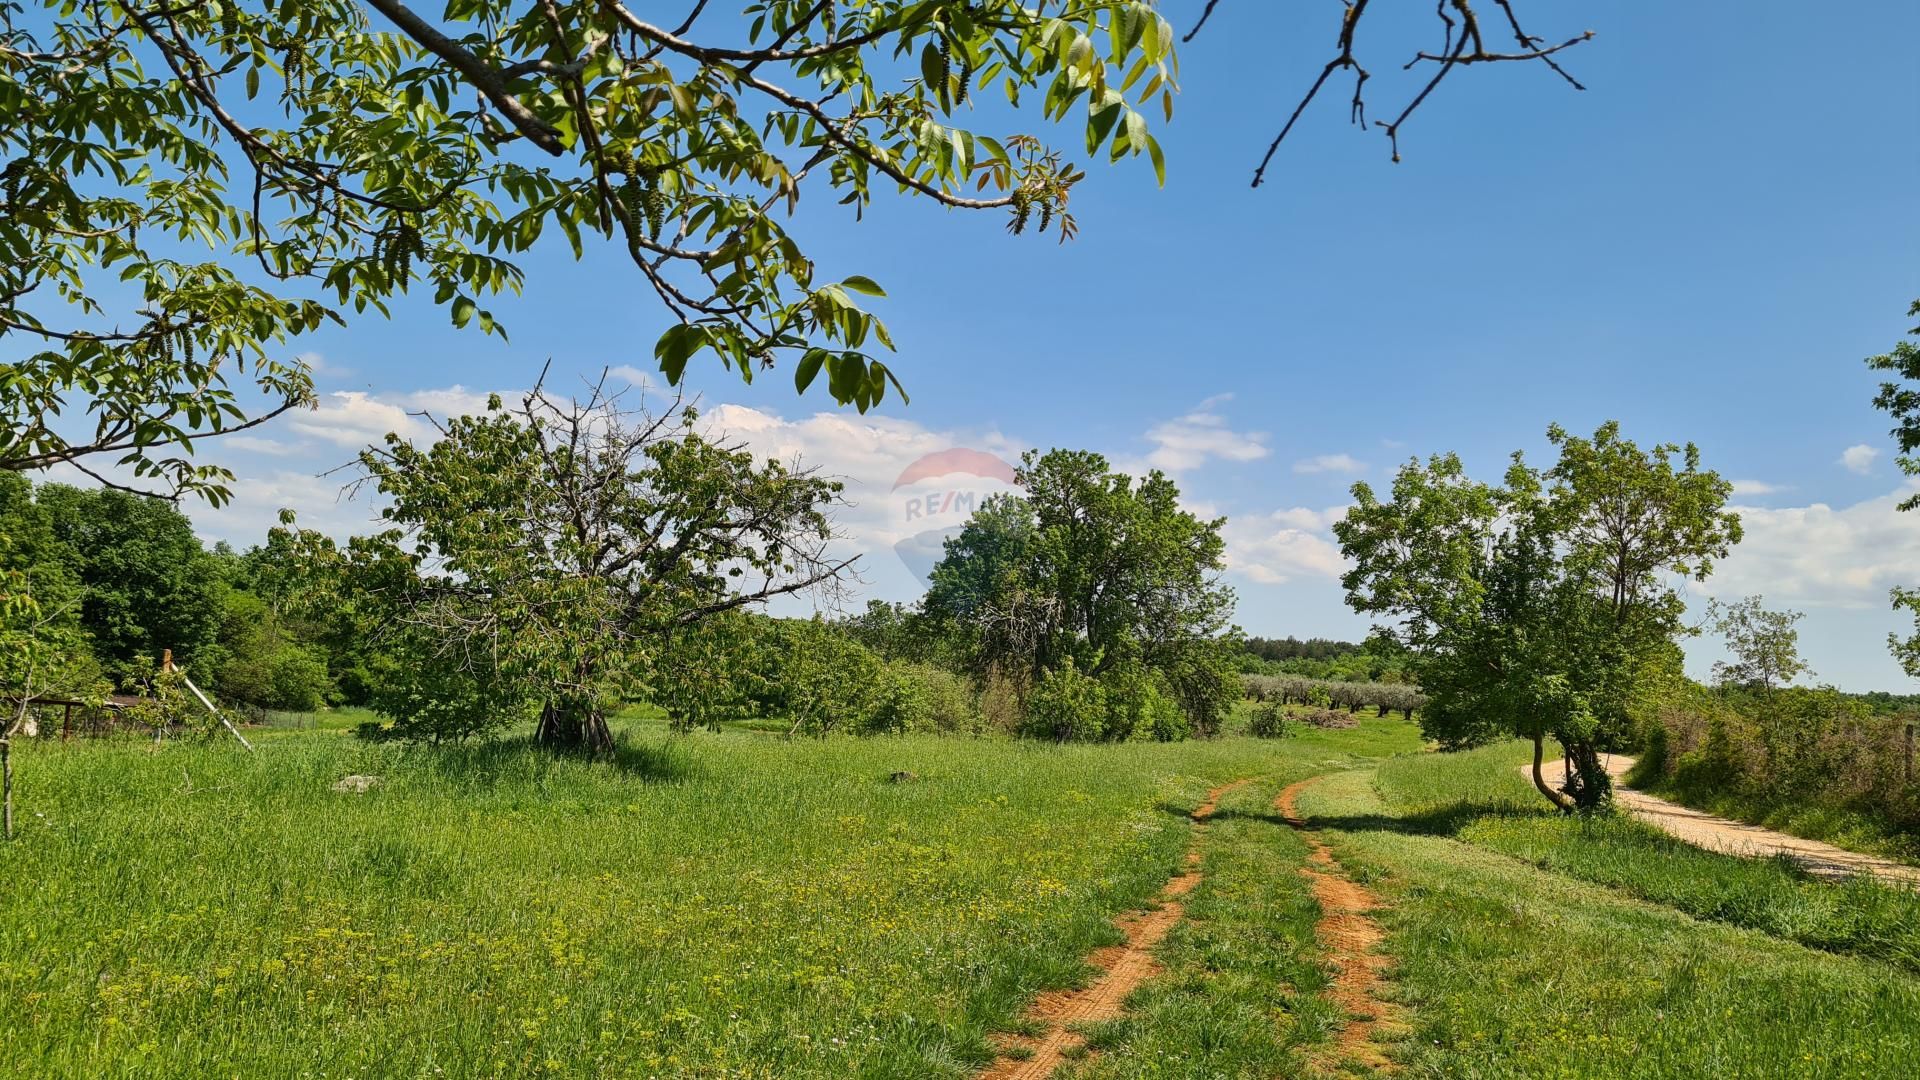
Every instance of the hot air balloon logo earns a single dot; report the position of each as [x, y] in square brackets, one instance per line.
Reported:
[936, 494]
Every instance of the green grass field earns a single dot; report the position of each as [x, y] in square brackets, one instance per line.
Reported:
[740, 905]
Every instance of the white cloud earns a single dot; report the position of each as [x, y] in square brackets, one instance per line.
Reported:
[353, 419]
[869, 454]
[1188, 441]
[1859, 458]
[253, 444]
[1757, 487]
[1330, 463]
[1820, 556]
[1289, 543]
[320, 365]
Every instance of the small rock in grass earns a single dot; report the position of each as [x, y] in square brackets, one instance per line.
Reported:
[356, 784]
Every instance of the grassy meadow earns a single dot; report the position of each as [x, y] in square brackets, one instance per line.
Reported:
[740, 905]
[728, 905]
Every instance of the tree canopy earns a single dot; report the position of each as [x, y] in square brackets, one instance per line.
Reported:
[190, 187]
[1543, 605]
[1094, 569]
[542, 553]
[1899, 397]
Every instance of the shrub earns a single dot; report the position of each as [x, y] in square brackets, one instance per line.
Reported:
[1002, 707]
[1066, 705]
[1137, 705]
[1202, 681]
[950, 700]
[1270, 721]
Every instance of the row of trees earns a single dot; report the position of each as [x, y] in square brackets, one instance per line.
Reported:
[1382, 697]
[119, 578]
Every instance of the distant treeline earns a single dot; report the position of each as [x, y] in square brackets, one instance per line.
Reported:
[1320, 658]
[1292, 648]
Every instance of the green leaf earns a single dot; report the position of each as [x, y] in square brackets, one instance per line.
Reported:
[1100, 125]
[1159, 160]
[463, 309]
[861, 284]
[808, 369]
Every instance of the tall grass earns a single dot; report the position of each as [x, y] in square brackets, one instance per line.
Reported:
[1481, 797]
[718, 905]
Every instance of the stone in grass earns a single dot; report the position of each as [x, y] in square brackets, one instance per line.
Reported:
[357, 784]
[903, 777]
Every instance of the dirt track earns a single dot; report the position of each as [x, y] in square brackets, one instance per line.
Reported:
[1734, 837]
[1350, 937]
[1122, 969]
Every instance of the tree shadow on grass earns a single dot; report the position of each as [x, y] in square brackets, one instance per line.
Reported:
[499, 762]
[1444, 820]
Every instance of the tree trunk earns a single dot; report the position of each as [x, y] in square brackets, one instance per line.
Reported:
[1558, 798]
[6, 780]
[577, 726]
[1587, 781]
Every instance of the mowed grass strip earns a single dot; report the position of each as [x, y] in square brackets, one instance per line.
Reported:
[1481, 797]
[1242, 980]
[718, 906]
[1510, 970]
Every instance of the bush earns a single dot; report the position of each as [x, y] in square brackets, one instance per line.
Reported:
[1814, 747]
[1202, 680]
[297, 678]
[1066, 705]
[897, 704]
[1139, 705]
[1270, 721]
[949, 697]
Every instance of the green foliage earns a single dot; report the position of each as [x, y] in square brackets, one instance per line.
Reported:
[180, 182]
[1270, 721]
[148, 584]
[257, 661]
[1138, 706]
[1066, 705]
[1093, 567]
[545, 554]
[1899, 397]
[1762, 751]
[1542, 606]
[1764, 644]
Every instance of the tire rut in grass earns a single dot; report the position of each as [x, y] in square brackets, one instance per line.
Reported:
[1122, 969]
[1351, 938]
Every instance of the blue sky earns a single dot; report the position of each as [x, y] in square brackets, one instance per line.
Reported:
[1703, 245]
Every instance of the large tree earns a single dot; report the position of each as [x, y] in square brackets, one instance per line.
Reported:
[187, 187]
[1899, 396]
[1542, 606]
[555, 545]
[145, 582]
[1093, 567]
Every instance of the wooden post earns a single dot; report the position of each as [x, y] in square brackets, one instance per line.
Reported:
[66, 723]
